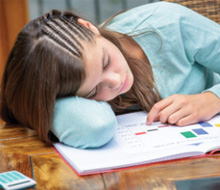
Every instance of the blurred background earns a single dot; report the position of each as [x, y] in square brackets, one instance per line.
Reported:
[95, 11]
[14, 14]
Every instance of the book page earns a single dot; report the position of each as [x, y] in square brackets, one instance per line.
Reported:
[134, 136]
[136, 143]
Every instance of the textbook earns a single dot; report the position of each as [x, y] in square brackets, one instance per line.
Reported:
[136, 143]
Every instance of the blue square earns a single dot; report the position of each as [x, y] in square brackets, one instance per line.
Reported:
[205, 124]
[200, 131]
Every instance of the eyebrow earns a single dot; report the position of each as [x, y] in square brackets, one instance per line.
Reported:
[103, 59]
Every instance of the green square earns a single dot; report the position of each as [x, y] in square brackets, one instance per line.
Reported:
[188, 134]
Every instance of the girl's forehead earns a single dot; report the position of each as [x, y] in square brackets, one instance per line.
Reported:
[92, 50]
[93, 60]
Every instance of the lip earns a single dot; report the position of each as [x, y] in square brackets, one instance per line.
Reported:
[125, 84]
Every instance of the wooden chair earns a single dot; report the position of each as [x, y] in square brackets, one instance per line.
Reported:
[208, 8]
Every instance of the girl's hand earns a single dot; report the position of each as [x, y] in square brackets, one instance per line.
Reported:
[185, 109]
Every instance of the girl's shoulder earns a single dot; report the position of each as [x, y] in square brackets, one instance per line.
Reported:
[158, 13]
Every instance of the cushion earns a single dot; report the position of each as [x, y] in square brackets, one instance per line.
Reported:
[83, 123]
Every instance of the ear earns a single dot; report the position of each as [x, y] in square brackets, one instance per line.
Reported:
[89, 25]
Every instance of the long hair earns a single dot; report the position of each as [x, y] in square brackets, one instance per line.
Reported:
[143, 94]
[45, 63]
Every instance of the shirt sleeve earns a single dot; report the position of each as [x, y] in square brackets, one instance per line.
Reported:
[201, 41]
[83, 123]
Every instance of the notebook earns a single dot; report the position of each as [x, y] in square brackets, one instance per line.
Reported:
[136, 143]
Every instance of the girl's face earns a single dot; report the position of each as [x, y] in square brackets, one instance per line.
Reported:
[107, 72]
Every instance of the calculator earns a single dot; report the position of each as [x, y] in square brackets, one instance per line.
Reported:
[14, 180]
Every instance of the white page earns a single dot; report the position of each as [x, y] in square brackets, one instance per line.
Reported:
[160, 136]
[135, 143]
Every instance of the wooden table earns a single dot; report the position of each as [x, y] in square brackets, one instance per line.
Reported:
[20, 149]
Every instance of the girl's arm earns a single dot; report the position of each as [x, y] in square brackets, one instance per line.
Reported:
[201, 40]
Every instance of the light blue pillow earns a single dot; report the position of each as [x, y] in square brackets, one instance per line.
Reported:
[83, 123]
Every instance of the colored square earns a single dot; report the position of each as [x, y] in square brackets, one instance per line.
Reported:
[200, 131]
[205, 124]
[217, 125]
[188, 134]
[163, 126]
[140, 133]
[150, 130]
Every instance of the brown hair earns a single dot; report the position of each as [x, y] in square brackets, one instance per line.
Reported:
[46, 62]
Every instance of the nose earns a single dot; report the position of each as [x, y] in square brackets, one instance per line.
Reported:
[112, 80]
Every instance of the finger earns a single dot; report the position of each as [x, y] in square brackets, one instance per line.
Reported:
[178, 115]
[156, 109]
[157, 118]
[172, 110]
[187, 120]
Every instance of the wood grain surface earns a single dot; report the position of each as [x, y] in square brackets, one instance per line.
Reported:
[21, 149]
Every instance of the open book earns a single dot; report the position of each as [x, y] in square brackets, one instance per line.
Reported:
[136, 143]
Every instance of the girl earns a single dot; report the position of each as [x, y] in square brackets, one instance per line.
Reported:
[162, 58]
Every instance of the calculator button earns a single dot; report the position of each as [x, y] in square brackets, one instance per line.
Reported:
[18, 175]
[2, 180]
[10, 176]
[4, 176]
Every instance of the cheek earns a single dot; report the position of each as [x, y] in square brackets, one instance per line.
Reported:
[105, 95]
[118, 62]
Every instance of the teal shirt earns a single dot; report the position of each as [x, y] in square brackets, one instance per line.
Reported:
[183, 47]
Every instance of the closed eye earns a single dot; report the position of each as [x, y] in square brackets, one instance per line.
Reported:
[93, 93]
[107, 62]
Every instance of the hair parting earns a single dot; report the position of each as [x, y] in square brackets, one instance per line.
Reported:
[44, 64]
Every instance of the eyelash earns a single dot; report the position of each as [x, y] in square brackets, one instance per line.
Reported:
[108, 63]
[94, 93]
[106, 66]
